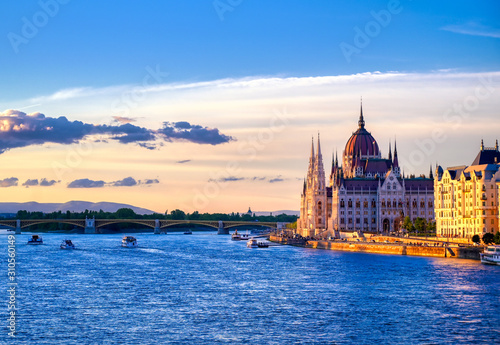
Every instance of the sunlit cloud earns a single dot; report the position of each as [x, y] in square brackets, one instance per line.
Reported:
[9, 182]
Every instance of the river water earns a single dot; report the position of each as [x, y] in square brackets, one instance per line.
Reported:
[206, 289]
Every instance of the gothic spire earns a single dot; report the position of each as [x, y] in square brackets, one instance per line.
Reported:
[390, 153]
[482, 145]
[395, 163]
[430, 173]
[361, 121]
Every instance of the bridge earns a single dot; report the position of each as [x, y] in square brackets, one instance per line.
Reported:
[91, 225]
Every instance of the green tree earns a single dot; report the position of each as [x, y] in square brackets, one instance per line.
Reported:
[496, 239]
[408, 225]
[178, 214]
[420, 225]
[488, 238]
[125, 213]
[476, 238]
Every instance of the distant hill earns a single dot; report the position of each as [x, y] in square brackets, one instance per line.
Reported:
[73, 206]
[277, 213]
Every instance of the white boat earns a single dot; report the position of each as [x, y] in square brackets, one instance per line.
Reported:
[188, 232]
[239, 237]
[67, 244]
[35, 239]
[491, 255]
[129, 242]
[252, 243]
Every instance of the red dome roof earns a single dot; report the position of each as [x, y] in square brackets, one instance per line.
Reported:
[361, 141]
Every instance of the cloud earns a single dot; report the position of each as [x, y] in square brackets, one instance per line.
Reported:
[126, 182]
[46, 183]
[473, 29]
[9, 182]
[123, 119]
[86, 183]
[254, 178]
[30, 183]
[149, 181]
[194, 133]
[184, 161]
[18, 129]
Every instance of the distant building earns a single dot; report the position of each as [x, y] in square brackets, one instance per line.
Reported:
[367, 193]
[467, 197]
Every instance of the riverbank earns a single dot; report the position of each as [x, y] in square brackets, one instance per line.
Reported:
[392, 247]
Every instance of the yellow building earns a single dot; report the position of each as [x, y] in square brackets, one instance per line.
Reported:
[467, 198]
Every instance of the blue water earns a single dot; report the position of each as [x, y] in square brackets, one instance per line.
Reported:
[206, 289]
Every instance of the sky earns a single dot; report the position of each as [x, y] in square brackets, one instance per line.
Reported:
[211, 105]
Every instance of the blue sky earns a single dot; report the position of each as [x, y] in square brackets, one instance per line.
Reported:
[211, 105]
[109, 43]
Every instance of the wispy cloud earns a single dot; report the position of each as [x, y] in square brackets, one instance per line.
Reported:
[473, 29]
[184, 161]
[126, 182]
[254, 178]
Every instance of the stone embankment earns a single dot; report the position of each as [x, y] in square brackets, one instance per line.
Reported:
[393, 246]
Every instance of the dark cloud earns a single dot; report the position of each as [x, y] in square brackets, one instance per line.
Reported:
[227, 179]
[46, 183]
[194, 133]
[149, 181]
[18, 129]
[9, 182]
[126, 182]
[86, 183]
[30, 183]
[184, 161]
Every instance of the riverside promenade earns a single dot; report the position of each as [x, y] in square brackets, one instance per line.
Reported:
[388, 245]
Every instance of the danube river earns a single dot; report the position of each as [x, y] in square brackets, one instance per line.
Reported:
[206, 289]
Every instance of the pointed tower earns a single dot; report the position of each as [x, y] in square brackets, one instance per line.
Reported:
[431, 176]
[496, 145]
[395, 163]
[390, 153]
[312, 163]
[319, 171]
[482, 145]
[361, 122]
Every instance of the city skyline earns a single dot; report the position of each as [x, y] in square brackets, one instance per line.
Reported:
[201, 111]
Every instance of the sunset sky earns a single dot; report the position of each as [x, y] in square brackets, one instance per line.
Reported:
[211, 105]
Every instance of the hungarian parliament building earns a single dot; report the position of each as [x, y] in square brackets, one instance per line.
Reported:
[365, 193]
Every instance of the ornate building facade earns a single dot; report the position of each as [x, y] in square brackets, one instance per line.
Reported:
[468, 197]
[366, 193]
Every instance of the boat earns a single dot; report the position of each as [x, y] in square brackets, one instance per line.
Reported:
[35, 239]
[188, 232]
[491, 255]
[67, 244]
[262, 245]
[129, 242]
[236, 236]
[252, 243]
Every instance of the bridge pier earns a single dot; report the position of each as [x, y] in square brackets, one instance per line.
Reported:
[157, 227]
[18, 227]
[89, 226]
[221, 230]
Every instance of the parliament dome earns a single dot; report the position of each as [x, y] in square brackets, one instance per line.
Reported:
[362, 142]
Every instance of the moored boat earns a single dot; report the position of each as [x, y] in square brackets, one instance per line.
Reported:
[129, 242]
[35, 239]
[67, 244]
[491, 255]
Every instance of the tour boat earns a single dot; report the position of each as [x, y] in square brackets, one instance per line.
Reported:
[67, 244]
[129, 242]
[262, 245]
[35, 239]
[239, 237]
[252, 243]
[491, 255]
